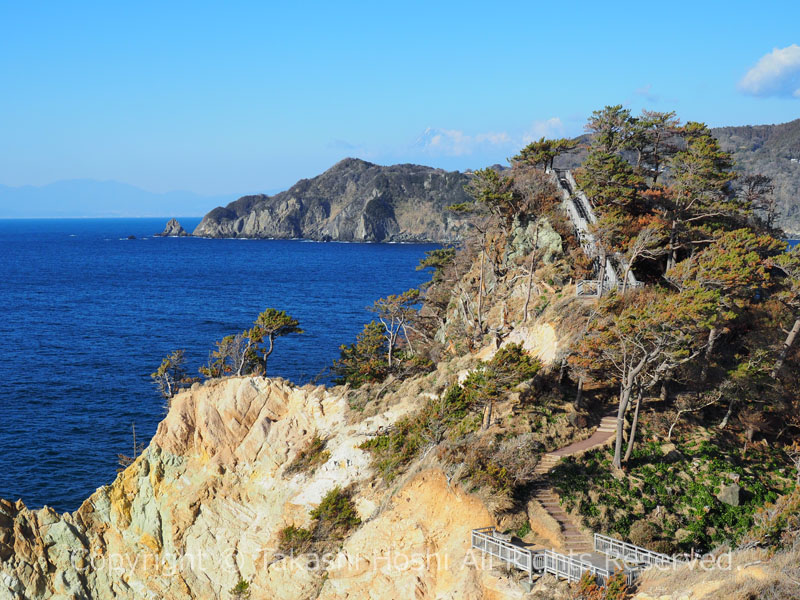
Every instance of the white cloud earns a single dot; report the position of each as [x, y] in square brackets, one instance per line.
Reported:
[775, 74]
[549, 128]
[455, 142]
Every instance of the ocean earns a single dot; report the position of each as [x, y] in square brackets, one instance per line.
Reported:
[88, 314]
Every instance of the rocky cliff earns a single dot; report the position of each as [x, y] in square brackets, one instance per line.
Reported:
[201, 508]
[353, 201]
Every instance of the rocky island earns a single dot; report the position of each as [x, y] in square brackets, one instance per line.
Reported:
[353, 201]
[173, 229]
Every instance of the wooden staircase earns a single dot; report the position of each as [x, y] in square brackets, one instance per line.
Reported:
[574, 539]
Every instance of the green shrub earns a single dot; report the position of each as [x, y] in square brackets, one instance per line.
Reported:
[333, 519]
[512, 365]
[642, 533]
[294, 540]
[392, 451]
[336, 515]
[588, 588]
[365, 361]
[311, 457]
[241, 591]
[523, 529]
[453, 416]
[616, 587]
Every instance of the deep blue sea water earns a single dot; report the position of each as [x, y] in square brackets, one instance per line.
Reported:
[87, 315]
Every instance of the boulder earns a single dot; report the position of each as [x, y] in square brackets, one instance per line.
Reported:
[730, 494]
[671, 453]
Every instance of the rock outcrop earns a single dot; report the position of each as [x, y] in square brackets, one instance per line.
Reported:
[202, 506]
[354, 201]
[173, 229]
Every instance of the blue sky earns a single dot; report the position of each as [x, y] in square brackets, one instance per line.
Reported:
[251, 96]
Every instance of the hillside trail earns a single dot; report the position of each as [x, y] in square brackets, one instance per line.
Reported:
[575, 540]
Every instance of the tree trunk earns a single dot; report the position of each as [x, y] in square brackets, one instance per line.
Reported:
[271, 338]
[487, 416]
[562, 371]
[480, 293]
[671, 427]
[243, 358]
[579, 394]
[664, 393]
[787, 345]
[625, 277]
[632, 436]
[672, 260]
[408, 340]
[623, 406]
[530, 274]
[602, 272]
[626, 385]
[728, 414]
[713, 335]
[390, 352]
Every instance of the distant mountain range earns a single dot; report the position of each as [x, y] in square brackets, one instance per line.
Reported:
[772, 150]
[90, 198]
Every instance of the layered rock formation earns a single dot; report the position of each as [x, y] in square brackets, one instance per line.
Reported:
[353, 201]
[201, 508]
[173, 229]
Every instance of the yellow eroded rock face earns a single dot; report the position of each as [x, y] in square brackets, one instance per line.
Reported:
[417, 548]
[201, 509]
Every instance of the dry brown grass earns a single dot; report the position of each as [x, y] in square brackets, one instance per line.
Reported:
[748, 575]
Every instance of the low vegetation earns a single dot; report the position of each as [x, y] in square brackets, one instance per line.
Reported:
[332, 521]
[459, 412]
[668, 499]
[616, 588]
[311, 457]
[697, 357]
[699, 363]
[241, 591]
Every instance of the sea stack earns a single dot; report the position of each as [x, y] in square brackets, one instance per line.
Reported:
[173, 229]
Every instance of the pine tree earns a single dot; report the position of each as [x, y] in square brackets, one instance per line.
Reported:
[702, 198]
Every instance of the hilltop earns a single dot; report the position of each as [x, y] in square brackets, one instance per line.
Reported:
[360, 201]
[354, 201]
